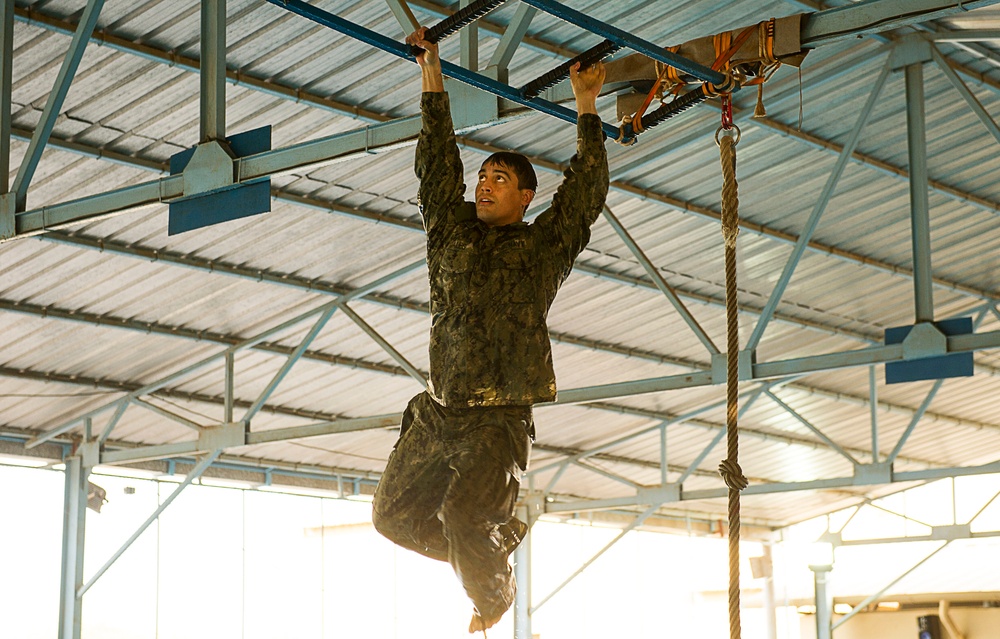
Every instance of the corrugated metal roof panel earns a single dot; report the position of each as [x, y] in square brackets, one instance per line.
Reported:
[609, 323]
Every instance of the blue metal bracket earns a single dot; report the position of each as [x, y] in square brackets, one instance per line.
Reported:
[231, 202]
[934, 367]
[525, 97]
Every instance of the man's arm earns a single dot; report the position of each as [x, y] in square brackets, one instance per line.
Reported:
[580, 199]
[438, 164]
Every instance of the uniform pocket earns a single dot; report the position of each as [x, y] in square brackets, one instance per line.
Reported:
[455, 275]
[517, 273]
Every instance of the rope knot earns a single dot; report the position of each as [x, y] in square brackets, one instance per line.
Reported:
[729, 234]
[732, 474]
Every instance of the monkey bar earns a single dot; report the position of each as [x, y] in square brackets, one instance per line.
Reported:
[527, 95]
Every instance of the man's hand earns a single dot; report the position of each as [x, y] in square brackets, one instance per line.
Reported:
[429, 61]
[587, 86]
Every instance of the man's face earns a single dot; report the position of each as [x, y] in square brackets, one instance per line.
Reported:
[499, 201]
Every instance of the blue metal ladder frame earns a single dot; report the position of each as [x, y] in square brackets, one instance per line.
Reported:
[615, 38]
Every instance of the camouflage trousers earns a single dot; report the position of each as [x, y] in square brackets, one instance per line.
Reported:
[449, 489]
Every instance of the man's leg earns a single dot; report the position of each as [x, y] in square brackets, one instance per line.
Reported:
[478, 511]
[413, 486]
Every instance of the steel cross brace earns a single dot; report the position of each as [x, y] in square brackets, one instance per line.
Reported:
[500, 89]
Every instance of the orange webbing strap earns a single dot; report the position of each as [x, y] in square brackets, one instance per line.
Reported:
[669, 74]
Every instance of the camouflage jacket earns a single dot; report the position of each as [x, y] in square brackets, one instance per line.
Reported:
[491, 288]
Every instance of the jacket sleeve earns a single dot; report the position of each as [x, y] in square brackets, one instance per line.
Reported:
[438, 164]
[565, 226]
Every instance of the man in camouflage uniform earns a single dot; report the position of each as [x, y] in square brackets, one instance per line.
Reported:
[451, 483]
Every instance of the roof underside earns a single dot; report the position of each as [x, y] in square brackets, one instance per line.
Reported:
[106, 306]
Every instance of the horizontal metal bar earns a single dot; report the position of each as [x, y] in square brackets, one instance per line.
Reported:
[627, 39]
[147, 453]
[874, 16]
[966, 35]
[469, 13]
[900, 540]
[129, 197]
[325, 428]
[647, 495]
[637, 387]
[941, 473]
[451, 70]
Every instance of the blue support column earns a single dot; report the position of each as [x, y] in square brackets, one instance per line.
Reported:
[6, 65]
[919, 202]
[7, 201]
[470, 43]
[74, 520]
[213, 70]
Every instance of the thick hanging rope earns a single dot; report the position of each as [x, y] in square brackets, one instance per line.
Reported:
[730, 468]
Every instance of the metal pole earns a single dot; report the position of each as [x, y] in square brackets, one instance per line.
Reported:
[6, 67]
[824, 604]
[74, 526]
[230, 386]
[919, 202]
[770, 620]
[470, 43]
[522, 574]
[213, 70]
[873, 404]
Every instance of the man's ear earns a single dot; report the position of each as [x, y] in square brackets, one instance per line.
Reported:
[526, 197]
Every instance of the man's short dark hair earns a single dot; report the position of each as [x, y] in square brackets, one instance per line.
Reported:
[518, 165]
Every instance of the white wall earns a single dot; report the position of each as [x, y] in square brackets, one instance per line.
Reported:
[973, 623]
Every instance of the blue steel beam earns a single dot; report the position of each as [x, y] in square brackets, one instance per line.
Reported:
[55, 100]
[451, 70]
[626, 39]
[74, 527]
